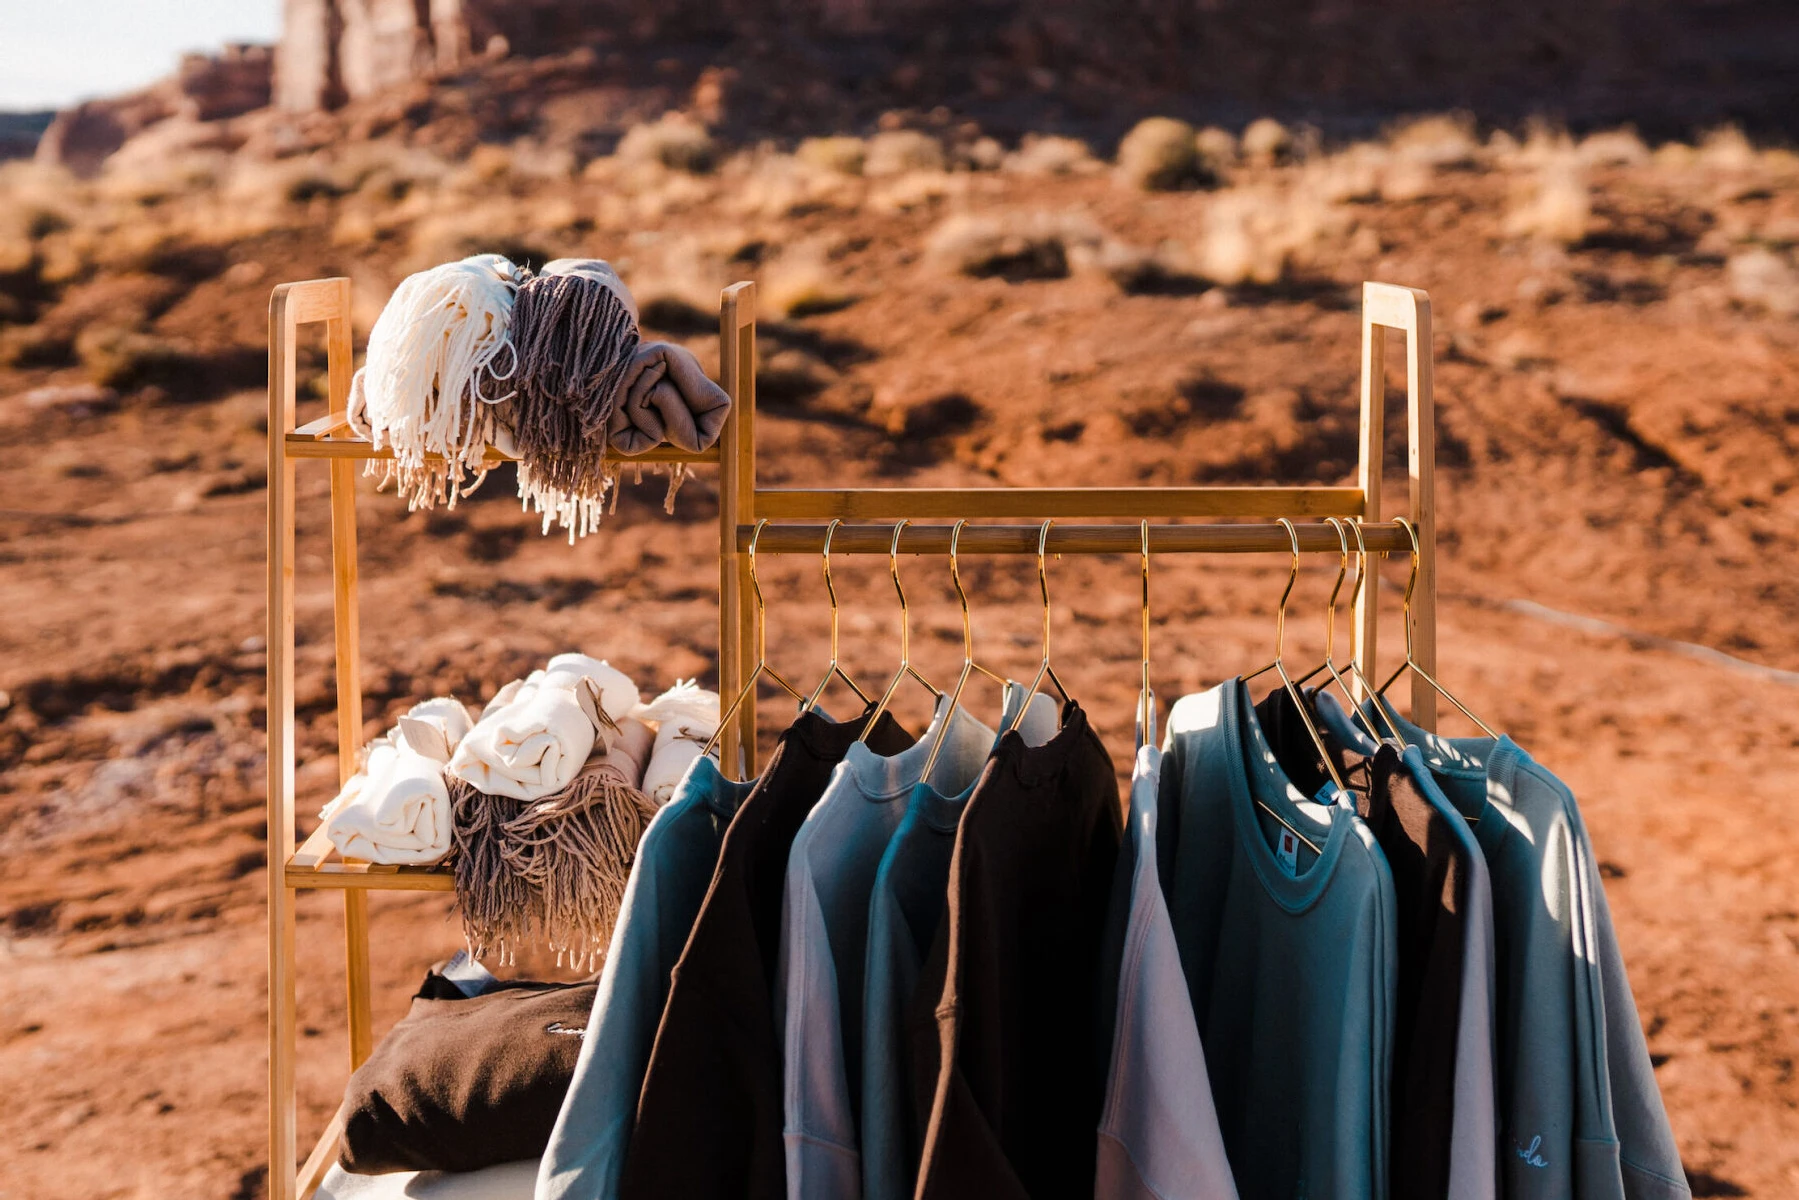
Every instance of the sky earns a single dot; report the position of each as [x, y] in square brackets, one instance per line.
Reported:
[57, 52]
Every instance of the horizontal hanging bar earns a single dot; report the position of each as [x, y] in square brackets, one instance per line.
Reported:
[1067, 539]
[306, 442]
[886, 504]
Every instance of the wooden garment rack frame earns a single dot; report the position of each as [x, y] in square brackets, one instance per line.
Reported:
[797, 520]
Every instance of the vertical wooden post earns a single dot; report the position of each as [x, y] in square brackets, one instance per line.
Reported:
[1421, 461]
[280, 720]
[1386, 306]
[347, 624]
[736, 507]
[1371, 460]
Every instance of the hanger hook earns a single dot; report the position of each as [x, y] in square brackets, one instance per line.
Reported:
[1043, 581]
[830, 588]
[756, 587]
[905, 612]
[1330, 608]
[1411, 582]
[955, 575]
[1280, 616]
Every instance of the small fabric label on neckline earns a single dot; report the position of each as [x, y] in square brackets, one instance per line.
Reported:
[1287, 851]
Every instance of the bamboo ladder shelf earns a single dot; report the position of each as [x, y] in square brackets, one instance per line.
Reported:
[796, 519]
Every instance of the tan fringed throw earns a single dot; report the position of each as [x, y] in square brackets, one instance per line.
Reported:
[553, 870]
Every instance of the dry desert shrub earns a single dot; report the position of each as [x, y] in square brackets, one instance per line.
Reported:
[1726, 149]
[1761, 279]
[124, 359]
[675, 279]
[1259, 235]
[767, 183]
[1013, 246]
[1443, 140]
[1160, 154]
[1168, 267]
[1047, 154]
[674, 140]
[800, 282]
[1555, 206]
[1217, 148]
[902, 152]
[1612, 148]
[843, 155]
[916, 189]
[1266, 142]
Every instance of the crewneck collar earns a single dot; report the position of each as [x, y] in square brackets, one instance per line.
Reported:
[1252, 773]
[890, 776]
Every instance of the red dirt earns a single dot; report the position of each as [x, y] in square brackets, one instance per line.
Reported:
[1618, 441]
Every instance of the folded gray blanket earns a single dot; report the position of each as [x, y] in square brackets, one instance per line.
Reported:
[666, 397]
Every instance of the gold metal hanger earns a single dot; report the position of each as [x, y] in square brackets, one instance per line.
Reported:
[1044, 671]
[905, 668]
[762, 667]
[1146, 699]
[1330, 630]
[969, 665]
[834, 671]
[1410, 663]
[1364, 570]
[1279, 666]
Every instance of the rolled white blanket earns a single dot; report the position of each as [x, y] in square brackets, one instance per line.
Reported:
[397, 808]
[536, 733]
[687, 717]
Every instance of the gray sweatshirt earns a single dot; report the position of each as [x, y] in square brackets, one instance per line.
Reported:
[824, 934]
[1580, 1112]
[1289, 957]
[1474, 1134]
[1158, 1133]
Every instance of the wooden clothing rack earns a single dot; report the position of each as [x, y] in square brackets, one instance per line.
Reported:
[796, 524]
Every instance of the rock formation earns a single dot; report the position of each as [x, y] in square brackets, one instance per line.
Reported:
[205, 87]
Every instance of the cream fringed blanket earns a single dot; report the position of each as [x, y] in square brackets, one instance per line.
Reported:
[553, 870]
[440, 359]
[397, 808]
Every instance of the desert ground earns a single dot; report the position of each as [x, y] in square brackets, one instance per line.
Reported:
[1616, 358]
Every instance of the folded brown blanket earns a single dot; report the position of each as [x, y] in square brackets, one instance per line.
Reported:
[465, 1083]
[666, 397]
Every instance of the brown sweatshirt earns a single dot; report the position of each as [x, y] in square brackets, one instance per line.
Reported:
[1007, 1009]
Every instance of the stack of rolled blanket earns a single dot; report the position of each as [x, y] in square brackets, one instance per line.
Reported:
[549, 801]
[543, 799]
[549, 366]
[396, 809]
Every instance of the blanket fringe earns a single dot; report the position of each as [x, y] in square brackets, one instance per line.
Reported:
[549, 872]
